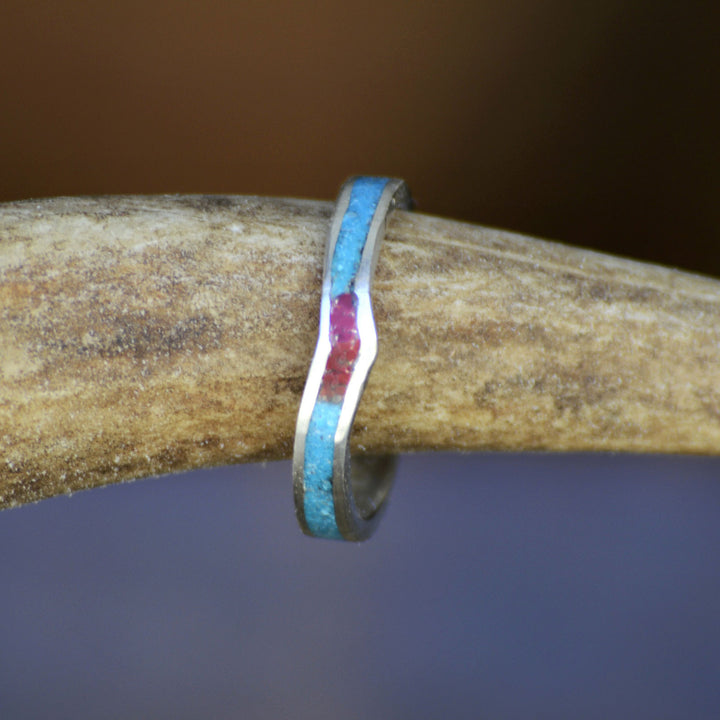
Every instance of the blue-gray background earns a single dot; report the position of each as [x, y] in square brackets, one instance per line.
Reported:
[497, 586]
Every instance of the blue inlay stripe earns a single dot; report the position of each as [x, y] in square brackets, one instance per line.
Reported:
[319, 451]
[318, 503]
[364, 197]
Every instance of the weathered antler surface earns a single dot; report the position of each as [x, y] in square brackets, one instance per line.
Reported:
[145, 335]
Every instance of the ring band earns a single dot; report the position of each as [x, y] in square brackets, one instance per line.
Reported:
[330, 501]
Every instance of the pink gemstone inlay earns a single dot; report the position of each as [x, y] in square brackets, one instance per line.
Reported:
[345, 346]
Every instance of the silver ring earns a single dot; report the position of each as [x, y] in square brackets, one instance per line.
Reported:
[330, 500]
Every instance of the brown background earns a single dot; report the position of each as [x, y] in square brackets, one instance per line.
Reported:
[592, 123]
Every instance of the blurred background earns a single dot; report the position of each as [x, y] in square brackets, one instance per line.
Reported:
[498, 586]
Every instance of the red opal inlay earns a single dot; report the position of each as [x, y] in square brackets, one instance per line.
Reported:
[345, 346]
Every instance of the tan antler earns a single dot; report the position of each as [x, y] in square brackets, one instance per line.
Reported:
[146, 335]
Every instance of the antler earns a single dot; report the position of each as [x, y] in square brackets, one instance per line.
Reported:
[146, 335]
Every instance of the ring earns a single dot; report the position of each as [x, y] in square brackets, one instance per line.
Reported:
[330, 501]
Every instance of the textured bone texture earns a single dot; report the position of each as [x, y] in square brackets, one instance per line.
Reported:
[147, 335]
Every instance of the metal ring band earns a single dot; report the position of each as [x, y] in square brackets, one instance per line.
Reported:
[330, 501]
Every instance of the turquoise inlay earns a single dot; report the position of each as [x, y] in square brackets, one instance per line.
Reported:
[319, 450]
[320, 439]
[364, 197]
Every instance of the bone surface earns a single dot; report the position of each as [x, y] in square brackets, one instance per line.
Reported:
[149, 335]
